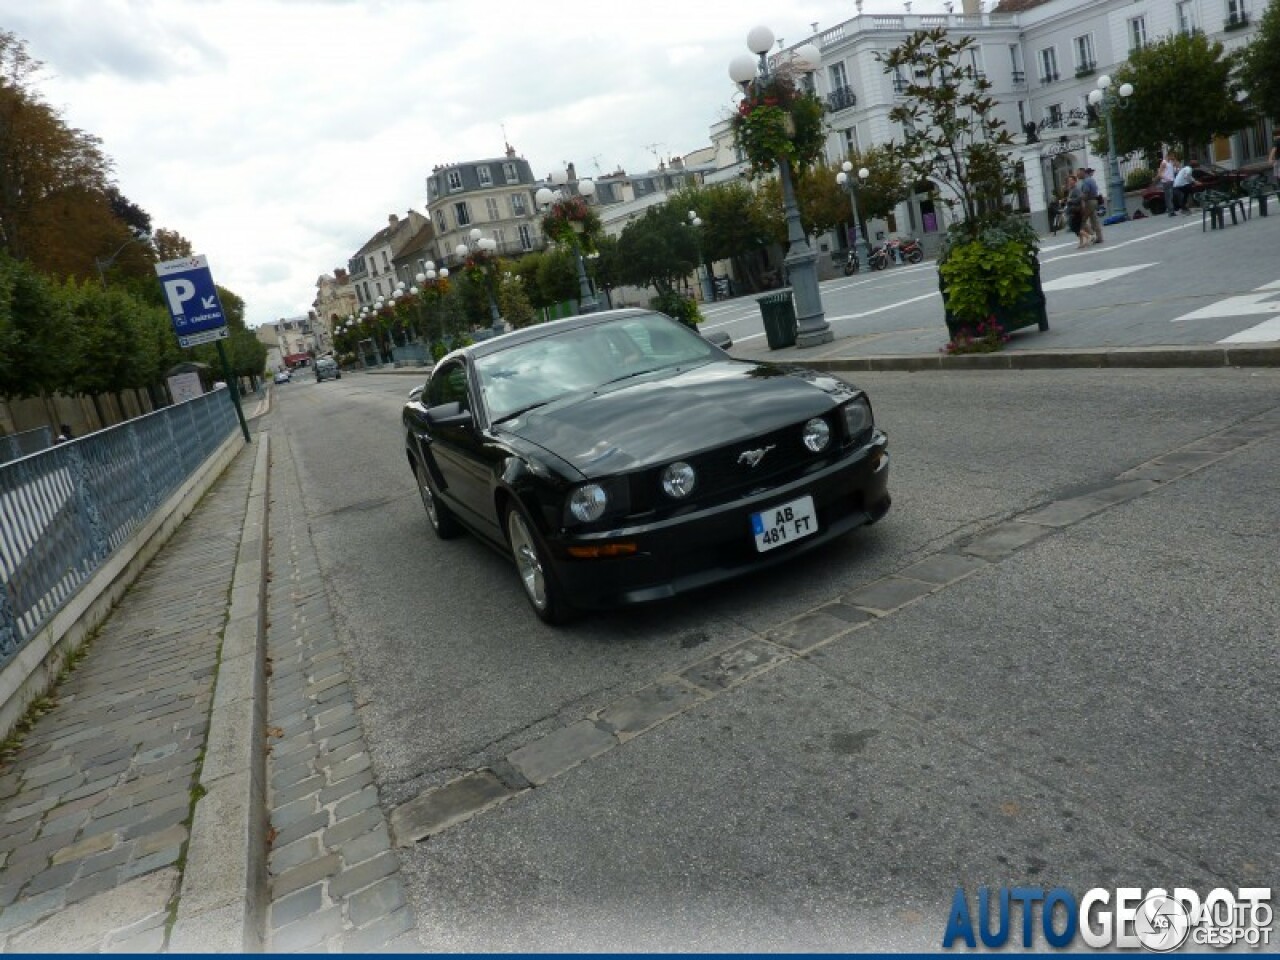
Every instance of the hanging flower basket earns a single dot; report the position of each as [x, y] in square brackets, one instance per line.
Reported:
[779, 119]
[571, 221]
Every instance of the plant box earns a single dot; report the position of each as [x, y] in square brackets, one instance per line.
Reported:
[1028, 311]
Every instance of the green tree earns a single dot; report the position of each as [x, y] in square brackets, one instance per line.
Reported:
[951, 134]
[1183, 94]
[1260, 64]
[658, 249]
[557, 276]
[513, 302]
[37, 341]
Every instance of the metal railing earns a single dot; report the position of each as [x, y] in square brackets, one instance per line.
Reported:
[23, 444]
[841, 98]
[64, 510]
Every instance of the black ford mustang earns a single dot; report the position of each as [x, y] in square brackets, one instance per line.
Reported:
[619, 457]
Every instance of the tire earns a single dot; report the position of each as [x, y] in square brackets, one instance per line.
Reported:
[879, 263]
[915, 256]
[538, 579]
[444, 524]
[850, 267]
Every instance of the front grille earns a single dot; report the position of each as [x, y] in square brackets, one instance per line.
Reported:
[722, 477]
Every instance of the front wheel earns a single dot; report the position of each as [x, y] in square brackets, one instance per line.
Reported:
[541, 588]
[850, 267]
[915, 256]
[879, 263]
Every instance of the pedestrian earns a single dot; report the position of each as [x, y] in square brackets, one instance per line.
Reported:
[64, 435]
[1183, 182]
[1274, 157]
[1089, 195]
[1055, 215]
[1075, 213]
[1168, 170]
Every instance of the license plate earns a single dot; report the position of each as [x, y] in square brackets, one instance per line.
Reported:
[782, 524]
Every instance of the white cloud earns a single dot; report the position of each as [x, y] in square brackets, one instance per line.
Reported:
[277, 135]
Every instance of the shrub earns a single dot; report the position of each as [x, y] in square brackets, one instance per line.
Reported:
[1139, 179]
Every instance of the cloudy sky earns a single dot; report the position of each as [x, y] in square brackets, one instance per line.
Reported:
[277, 135]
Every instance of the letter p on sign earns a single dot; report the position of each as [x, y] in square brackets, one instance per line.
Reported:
[178, 291]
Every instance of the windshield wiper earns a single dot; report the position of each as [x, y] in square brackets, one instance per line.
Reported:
[521, 412]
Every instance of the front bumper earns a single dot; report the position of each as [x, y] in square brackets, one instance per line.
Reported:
[695, 550]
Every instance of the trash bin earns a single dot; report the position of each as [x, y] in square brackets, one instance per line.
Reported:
[779, 314]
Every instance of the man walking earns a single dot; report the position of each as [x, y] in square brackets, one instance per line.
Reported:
[1089, 196]
[1168, 170]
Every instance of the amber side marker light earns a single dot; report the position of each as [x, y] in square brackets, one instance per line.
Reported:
[623, 549]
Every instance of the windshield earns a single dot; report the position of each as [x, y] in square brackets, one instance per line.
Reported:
[530, 374]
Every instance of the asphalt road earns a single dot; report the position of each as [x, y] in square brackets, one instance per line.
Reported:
[1096, 710]
[1156, 281]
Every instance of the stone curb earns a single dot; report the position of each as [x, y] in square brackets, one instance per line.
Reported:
[1265, 355]
[222, 901]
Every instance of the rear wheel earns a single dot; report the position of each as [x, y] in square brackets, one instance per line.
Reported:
[536, 576]
[879, 263]
[444, 523]
[915, 256]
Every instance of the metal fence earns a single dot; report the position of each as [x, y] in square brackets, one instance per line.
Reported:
[21, 444]
[65, 509]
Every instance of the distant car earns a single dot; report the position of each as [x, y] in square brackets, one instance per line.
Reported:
[619, 457]
[1202, 178]
[327, 369]
[282, 376]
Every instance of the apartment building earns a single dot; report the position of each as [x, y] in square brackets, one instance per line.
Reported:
[494, 195]
[372, 269]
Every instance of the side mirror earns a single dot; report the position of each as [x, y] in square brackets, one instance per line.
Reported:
[448, 415]
[416, 393]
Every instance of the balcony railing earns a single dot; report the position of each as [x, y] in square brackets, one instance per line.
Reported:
[1048, 78]
[1237, 21]
[1086, 69]
[842, 98]
[899, 85]
[1019, 77]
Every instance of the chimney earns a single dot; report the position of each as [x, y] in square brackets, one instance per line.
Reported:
[573, 174]
[392, 220]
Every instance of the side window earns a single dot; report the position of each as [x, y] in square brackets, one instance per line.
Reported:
[449, 385]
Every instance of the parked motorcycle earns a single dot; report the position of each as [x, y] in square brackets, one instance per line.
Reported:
[850, 265]
[898, 251]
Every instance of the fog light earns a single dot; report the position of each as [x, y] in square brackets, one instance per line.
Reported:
[678, 480]
[817, 435]
[596, 551]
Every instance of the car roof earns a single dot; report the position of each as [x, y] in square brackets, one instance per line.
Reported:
[540, 330]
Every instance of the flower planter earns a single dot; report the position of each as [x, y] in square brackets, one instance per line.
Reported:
[1029, 310]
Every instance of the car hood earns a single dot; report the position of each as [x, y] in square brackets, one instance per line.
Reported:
[666, 415]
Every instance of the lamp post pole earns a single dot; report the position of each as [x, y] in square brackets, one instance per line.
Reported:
[703, 271]
[102, 263]
[486, 248]
[544, 198]
[801, 262]
[1107, 102]
[845, 179]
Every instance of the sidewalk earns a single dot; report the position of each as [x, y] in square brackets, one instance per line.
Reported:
[130, 817]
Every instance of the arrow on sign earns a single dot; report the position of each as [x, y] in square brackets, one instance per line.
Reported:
[209, 302]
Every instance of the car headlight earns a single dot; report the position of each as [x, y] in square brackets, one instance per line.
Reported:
[857, 417]
[816, 435]
[588, 502]
[678, 480]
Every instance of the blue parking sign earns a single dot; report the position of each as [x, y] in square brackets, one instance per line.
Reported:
[192, 300]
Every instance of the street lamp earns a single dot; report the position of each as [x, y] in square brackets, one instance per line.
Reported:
[812, 328]
[853, 185]
[1107, 102]
[704, 270]
[102, 263]
[485, 250]
[544, 198]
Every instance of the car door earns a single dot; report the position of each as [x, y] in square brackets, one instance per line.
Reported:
[456, 447]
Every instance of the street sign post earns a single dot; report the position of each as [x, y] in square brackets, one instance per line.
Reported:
[192, 299]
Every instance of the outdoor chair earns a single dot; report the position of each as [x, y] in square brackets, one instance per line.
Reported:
[1258, 188]
[1215, 205]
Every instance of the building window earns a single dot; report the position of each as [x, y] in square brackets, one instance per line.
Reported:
[518, 205]
[1086, 62]
[386, 264]
[378, 284]
[978, 61]
[839, 80]
[851, 141]
[1137, 33]
[441, 225]
[1049, 65]
[455, 180]
[373, 266]
[461, 214]
[526, 237]
[491, 207]
[509, 173]
[1019, 75]
[485, 175]
[1186, 17]
[1053, 115]
[500, 237]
